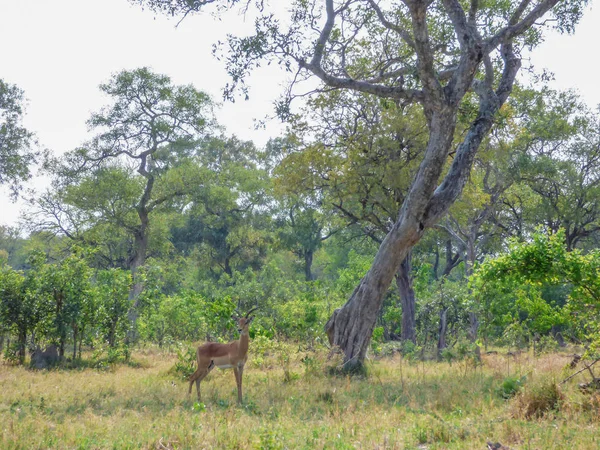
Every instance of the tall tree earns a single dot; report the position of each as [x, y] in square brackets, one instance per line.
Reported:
[151, 127]
[442, 55]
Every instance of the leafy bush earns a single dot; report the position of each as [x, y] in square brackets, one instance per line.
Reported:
[511, 386]
[186, 362]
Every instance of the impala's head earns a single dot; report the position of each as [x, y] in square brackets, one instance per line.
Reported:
[244, 322]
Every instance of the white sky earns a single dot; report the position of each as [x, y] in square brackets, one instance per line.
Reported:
[59, 51]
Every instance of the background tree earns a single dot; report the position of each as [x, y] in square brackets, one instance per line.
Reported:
[150, 127]
[225, 219]
[302, 227]
[16, 142]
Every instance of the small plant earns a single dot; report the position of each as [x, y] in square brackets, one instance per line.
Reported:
[186, 361]
[313, 365]
[199, 407]
[326, 397]
[448, 355]
[270, 440]
[11, 354]
[511, 386]
[377, 340]
[410, 350]
[546, 344]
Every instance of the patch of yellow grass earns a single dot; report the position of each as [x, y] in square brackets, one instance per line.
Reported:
[400, 405]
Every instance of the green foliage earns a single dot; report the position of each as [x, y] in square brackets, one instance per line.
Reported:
[112, 290]
[509, 289]
[186, 362]
[511, 386]
[225, 226]
[16, 152]
[186, 316]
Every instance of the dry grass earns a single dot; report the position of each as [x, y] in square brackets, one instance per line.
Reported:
[401, 405]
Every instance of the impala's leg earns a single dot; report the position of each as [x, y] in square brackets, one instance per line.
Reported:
[240, 384]
[238, 380]
[204, 368]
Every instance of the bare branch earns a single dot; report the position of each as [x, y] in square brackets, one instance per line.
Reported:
[405, 35]
[513, 30]
[398, 93]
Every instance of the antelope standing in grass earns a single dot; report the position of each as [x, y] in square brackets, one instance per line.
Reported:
[224, 356]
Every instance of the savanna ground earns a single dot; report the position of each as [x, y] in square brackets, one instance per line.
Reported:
[291, 402]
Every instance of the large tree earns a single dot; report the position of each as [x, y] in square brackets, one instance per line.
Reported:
[150, 129]
[440, 54]
[361, 156]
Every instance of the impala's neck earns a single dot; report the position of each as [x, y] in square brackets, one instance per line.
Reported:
[243, 343]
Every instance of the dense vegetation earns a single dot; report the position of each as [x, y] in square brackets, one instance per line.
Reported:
[476, 197]
[151, 233]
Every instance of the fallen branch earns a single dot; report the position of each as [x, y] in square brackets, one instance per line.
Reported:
[587, 367]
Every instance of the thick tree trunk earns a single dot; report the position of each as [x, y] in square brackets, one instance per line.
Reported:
[61, 347]
[404, 282]
[308, 260]
[350, 327]
[137, 261]
[227, 266]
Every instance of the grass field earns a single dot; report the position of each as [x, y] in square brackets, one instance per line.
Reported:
[420, 405]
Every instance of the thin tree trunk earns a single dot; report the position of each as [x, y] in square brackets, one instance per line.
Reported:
[75, 335]
[442, 331]
[81, 334]
[22, 339]
[404, 282]
[469, 267]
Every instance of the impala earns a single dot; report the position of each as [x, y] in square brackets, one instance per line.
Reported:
[224, 356]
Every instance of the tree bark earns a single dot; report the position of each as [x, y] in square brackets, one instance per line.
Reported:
[404, 282]
[308, 260]
[22, 339]
[351, 326]
[137, 261]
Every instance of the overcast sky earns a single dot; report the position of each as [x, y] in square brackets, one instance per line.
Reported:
[59, 51]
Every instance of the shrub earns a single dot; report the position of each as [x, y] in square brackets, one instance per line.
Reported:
[539, 400]
[510, 387]
[186, 362]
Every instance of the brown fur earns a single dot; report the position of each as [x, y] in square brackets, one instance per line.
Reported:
[232, 355]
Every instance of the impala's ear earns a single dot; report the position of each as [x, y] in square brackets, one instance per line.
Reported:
[249, 320]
